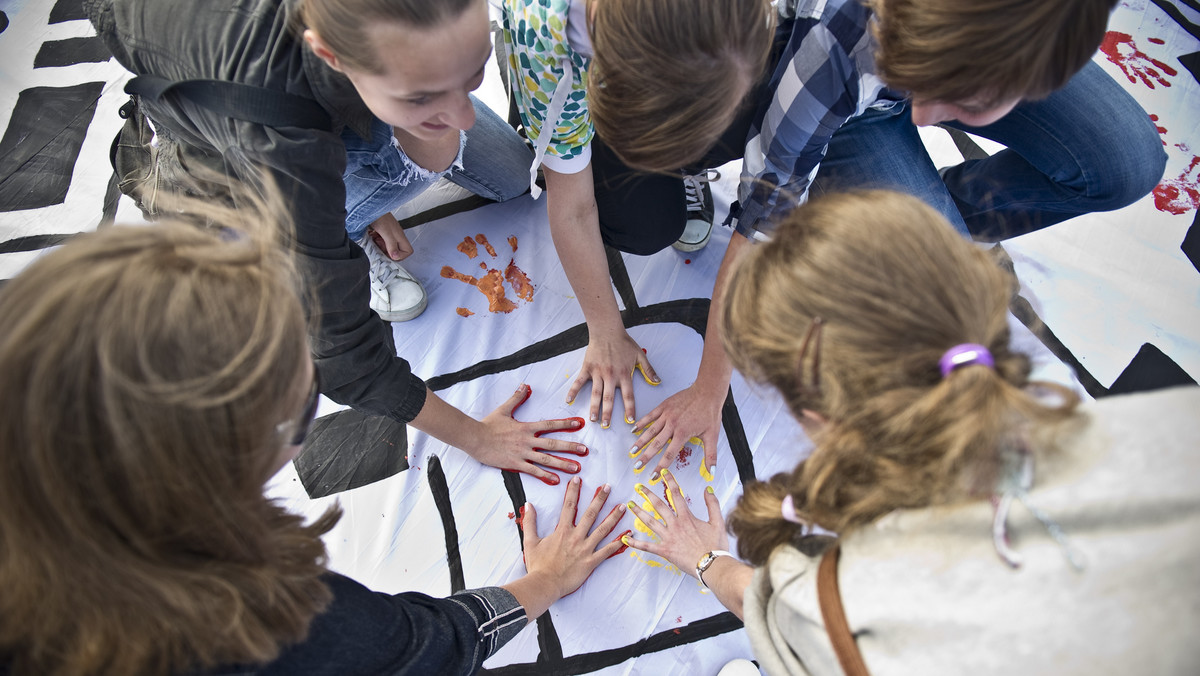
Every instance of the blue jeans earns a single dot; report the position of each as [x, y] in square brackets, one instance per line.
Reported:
[495, 165]
[1087, 147]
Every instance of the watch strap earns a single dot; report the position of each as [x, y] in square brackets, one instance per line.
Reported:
[706, 561]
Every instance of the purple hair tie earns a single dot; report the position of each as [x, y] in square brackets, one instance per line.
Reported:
[965, 354]
[788, 510]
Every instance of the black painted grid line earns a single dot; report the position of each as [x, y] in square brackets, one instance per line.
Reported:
[33, 243]
[1176, 15]
[699, 630]
[549, 644]
[441, 498]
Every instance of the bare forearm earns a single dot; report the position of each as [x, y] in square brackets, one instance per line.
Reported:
[727, 578]
[715, 369]
[446, 423]
[575, 229]
[534, 594]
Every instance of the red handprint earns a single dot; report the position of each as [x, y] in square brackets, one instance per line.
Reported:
[1180, 194]
[1120, 49]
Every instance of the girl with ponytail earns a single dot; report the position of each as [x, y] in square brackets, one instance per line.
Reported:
[983, 521]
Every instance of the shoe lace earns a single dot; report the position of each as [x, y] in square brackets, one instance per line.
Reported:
[693, 187]
[383, 269]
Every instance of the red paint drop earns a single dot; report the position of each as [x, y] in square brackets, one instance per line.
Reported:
[687, 261]
[684, 458]
[1157, 41]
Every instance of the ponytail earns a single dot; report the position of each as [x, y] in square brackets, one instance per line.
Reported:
[901, 434]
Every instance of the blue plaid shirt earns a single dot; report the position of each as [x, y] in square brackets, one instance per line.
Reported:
[825, 76]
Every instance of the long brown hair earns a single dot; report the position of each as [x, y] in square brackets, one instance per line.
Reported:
[987, 50]
[144, 372]
[668, 76]
[342, 24]
[881, 286]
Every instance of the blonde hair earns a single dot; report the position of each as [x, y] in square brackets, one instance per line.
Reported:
[669, 76]
[342, 24]
[144, 374]
[890, 287]
[988, 50]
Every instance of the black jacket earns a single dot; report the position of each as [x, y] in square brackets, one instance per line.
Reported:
[255, 42]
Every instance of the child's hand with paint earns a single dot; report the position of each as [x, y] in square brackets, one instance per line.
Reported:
[682, 538]
[689, 543]
[520, 447]
[559, 563]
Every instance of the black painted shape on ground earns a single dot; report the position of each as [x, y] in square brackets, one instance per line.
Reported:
[699, 630]
[550, 647]
[735, 434]
[441, 498]
[68, 52]
[443, 210]
[516, 492]
[67, 10]
[349, 449]
[1173, 12]
[1150, 370]
[3, 21]
[966, 145]
[1192, 63]
[1191, 243]
[692, 312]
[42, 142]
[1023, 311]
[32, 243]
[620, 277]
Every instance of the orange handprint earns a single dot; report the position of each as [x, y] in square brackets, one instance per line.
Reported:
[491, 284]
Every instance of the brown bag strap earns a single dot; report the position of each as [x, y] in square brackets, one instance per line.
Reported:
[830, 599]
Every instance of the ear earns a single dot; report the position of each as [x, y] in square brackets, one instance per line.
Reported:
[812, 416]
[811, 421]
[322, 50]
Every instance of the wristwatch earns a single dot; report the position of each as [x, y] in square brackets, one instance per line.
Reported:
[706, 561]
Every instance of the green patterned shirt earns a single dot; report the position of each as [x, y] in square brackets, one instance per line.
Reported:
[540, 57]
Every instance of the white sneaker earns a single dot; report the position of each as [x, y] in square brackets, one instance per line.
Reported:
[699, 224]
[739, 667]
[396, 296]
